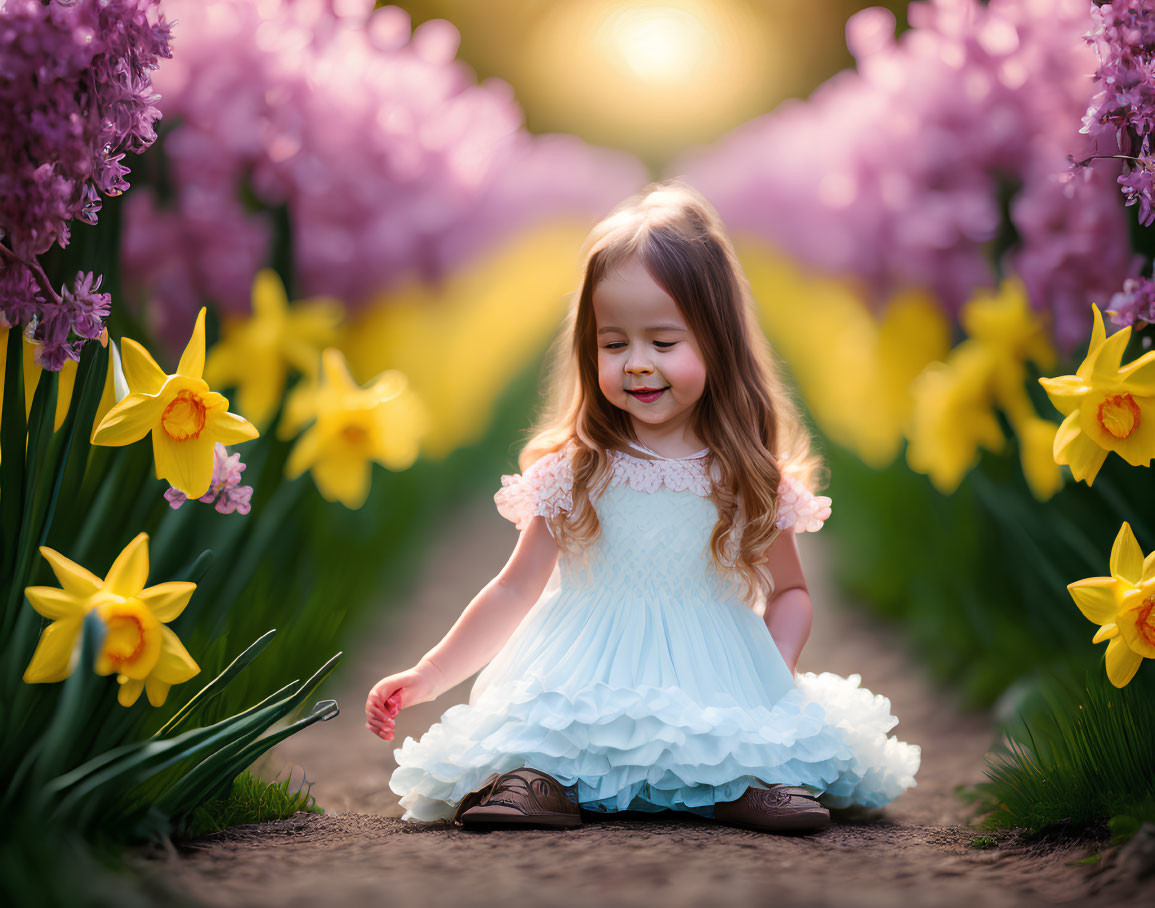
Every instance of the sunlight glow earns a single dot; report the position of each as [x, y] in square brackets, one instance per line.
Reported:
[659, 45]
[652, 76]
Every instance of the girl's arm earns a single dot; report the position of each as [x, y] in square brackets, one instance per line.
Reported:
[475, 638]
[788, 613]
[493, 615]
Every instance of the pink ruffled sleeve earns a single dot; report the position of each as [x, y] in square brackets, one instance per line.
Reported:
[800, 509]
[545, 490]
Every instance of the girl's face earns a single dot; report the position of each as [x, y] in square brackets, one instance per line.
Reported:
[649, 363]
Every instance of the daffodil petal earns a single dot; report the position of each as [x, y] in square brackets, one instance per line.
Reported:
[53, 658]
[259, 395]
[175, 665]
[55, 604]
[343, 478]
[1065, 391]
[1140, 374]
[1098, 329]
[300, 409]
[186, 465]
[128, 421]
[73, 578]
[1122, 662]
[141, 371]
[335, 370]
[229, 428]
[167, 600]
[1106, 632]
[269, 299]
[304, 454]
[192, 360]
[1036, 447]
[1080, 453]
[129, 572]
[1096, 598]
[1126, 557]
[129, 692]
[1110, 354]
[157, 691]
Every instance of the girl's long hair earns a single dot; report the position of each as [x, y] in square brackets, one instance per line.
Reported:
[746, 414]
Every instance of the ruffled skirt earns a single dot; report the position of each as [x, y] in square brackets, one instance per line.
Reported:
[656, 749]
[697, 721]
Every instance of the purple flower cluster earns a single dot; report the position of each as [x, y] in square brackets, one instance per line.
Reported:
[74, 89]
[391, 161]
[1134, 304]
[898, 174]
[1121, 115]
[225, 488]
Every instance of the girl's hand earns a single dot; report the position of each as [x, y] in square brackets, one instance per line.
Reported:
[393, 693]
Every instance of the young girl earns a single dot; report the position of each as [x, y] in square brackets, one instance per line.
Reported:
[671, 473]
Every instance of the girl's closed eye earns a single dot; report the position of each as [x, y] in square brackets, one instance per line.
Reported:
[664, 345]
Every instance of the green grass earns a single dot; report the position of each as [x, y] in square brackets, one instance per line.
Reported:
[252, 800]
[1079, 756]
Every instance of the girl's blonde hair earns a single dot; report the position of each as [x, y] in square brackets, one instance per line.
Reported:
[746, 415]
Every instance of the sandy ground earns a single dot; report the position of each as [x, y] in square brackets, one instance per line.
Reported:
[917, 850]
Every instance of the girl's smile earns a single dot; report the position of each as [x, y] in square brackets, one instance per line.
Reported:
[649, 363]
[646, 395]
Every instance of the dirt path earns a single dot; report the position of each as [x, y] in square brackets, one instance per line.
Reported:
[918, 851]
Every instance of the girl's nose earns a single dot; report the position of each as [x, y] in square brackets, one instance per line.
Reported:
[639, 368]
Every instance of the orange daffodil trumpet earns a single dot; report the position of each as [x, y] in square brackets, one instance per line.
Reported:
[1108, 407]
[185, 418]
[138, 648]
[1124, 607]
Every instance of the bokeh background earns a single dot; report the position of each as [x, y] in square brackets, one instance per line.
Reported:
[380, 208]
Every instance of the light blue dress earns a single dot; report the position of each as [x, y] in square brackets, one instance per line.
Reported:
[643, 679]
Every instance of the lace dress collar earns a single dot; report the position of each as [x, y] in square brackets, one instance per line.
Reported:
[680, 474]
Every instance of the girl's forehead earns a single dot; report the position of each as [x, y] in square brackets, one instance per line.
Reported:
[629, 297]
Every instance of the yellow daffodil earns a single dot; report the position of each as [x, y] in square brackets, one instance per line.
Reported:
[351, 427]
[1107, 407]
[185, 418]
[138, 648]
[853, 366]
[1036, 453]
[254, 354]
[491, 318]
[953, 417]
[1124, 605]
[954, 402]
[32, 374]
[32, 379]
[1004, 322]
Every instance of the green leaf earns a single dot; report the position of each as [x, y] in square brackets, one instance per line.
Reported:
[220, 682]
[13, 432]
[214, 771]
[58, 742]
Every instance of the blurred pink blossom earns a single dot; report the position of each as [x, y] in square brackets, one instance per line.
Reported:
[390, 160]
[905, 172]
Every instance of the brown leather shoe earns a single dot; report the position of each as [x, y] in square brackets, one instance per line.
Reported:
[524, 796]
[780, 808]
